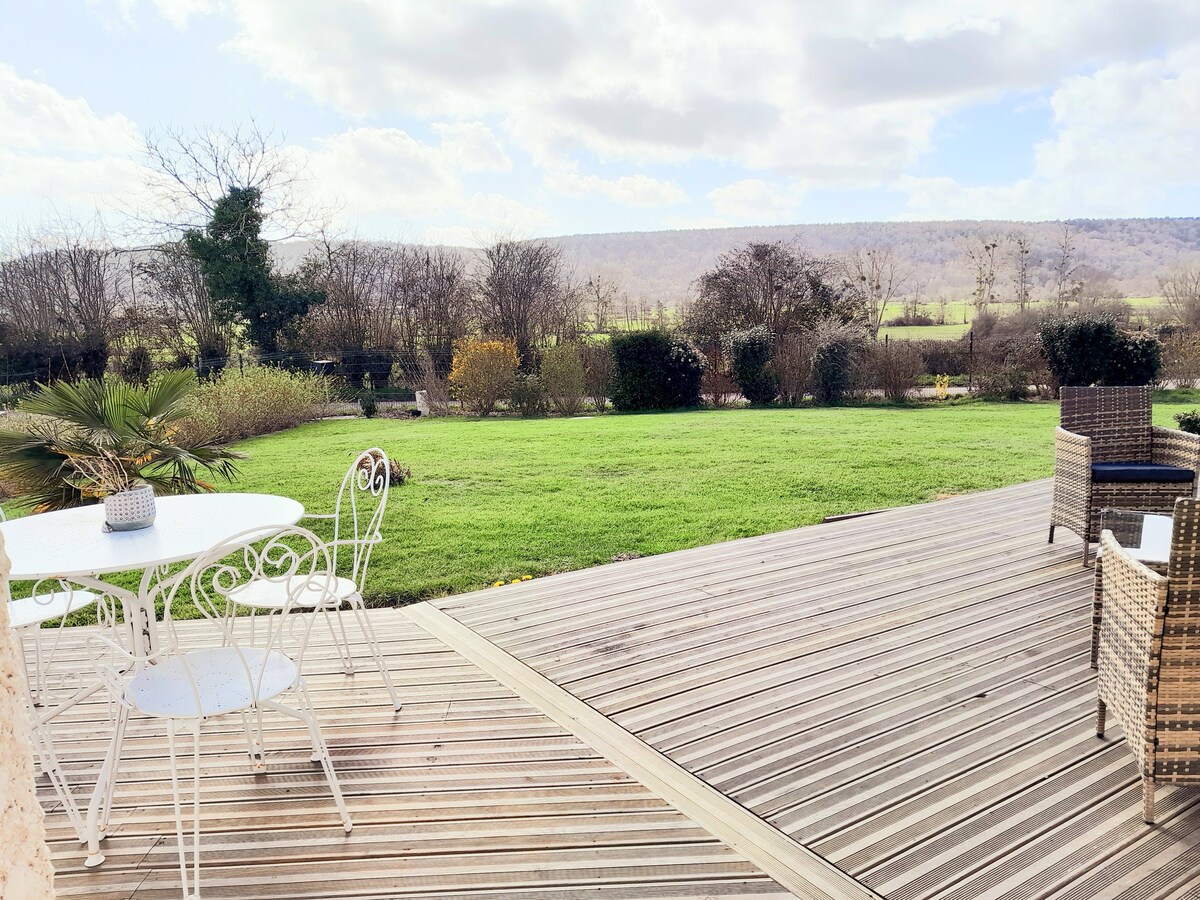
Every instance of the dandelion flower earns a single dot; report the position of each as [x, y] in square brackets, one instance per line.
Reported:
[498, 584]
[515, 581]
[527, 578]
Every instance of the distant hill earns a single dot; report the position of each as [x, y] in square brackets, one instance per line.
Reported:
[662, 265]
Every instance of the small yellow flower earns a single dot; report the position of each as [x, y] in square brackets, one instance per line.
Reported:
[515, 581]
[527, 578]
[498, 584]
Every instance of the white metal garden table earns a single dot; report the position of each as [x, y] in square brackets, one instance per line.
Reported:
[71, 545]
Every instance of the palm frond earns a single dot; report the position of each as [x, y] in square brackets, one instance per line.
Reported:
[94, 436]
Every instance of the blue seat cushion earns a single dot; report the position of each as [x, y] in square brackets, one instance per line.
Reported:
[1139, 471]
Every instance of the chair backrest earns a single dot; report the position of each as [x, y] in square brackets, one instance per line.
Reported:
[358, 515]
[1117, 419]
[1178, 708]
[292, 557]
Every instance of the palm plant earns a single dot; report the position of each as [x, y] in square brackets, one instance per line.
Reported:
[101, 436]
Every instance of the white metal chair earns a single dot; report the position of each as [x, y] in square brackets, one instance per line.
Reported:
[184, 685]
[357, 519]
[26, 617]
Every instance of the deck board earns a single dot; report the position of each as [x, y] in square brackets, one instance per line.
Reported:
[469, 791]
[906, 693]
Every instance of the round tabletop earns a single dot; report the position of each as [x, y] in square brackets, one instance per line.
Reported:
[71, 542]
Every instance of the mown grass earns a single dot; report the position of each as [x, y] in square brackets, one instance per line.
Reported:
[497, 499]
[500, 498]
[923, 332]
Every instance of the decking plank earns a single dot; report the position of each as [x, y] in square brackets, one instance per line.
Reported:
[906, 693]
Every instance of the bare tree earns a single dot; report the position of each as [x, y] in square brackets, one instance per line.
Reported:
[602, 293]
[1181, 293]
[64, 288]
[189, 171]
[982, 260]
[1066, 265]
[360, 306]
[176, 294]
[438, 309]
[1022, 261]
[524, 291]
[879, 277]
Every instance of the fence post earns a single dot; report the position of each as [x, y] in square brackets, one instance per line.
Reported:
[241, 366]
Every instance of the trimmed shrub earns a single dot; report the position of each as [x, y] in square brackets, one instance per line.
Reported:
[368, 404]
[1189, 421]
[750, 364]
[528, 396]
[236, 405]
[1009, 383]
[1136, 359]
[944, 357]
[653, 370]
[483, 373]
[907, 320]
[835, 351]
[1090, 349]
[1078, 348]
[564, 378]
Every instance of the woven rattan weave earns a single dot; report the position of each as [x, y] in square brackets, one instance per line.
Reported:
[1112, 424]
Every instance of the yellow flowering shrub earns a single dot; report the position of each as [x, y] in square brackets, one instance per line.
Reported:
[941, 386]
[483, 373]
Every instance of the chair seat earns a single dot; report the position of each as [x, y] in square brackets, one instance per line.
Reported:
[1144, 472]
[45, 607]
[266, 594]
[221, 681]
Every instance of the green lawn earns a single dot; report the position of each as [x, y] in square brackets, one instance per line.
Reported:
[500, 498]
[923, 332]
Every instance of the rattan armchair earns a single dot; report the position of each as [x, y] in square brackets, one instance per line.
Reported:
[1149, 648]
[1107, 453]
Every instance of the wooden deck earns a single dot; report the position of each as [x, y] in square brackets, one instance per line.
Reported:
[896, 706]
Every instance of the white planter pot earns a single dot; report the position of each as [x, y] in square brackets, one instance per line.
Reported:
[129, 510]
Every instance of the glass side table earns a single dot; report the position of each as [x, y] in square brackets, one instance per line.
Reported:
[1147, 537]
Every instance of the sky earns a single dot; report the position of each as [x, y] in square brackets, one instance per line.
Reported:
[453, 122]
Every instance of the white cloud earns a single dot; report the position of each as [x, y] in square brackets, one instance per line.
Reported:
[1125, 137]
[57, 155]
[629, 190]
[397, 181]
[180, 12]
[845, 94]
[753, 200]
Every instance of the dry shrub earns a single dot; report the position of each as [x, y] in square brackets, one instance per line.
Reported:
[483, 373]
[437, 390]
[717, 385]
[528, 396]
[262, 399]
[893, 368]
[597, 373]
[792, 363]
[1181, 359]
[398, 473]
[564, 378]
